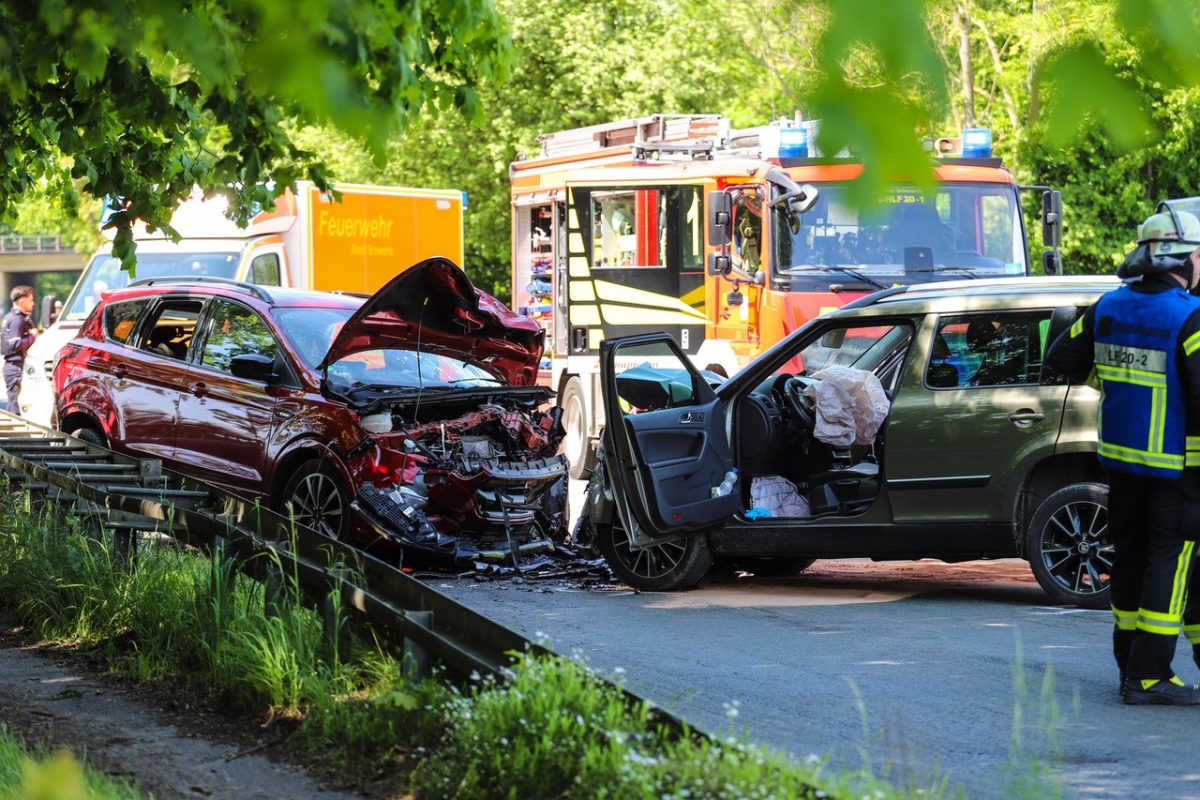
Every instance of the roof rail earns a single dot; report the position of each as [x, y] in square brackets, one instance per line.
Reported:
[656, 129]
[253, 289]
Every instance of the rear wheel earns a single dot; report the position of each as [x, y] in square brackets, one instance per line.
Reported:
[90, 435]
[316, 497]
[663, 567]
[1069, 546]
[577, 443]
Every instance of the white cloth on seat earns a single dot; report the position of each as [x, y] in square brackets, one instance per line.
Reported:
[850, 406]
[779, 496]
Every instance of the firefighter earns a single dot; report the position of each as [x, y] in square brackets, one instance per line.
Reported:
[1143, 341]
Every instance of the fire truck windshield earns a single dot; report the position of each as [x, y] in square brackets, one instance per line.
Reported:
[956, 230]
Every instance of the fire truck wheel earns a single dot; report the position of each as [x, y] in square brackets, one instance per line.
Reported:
[577, 444]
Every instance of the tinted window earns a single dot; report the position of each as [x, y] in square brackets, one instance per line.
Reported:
[171, 328]
[1002, 349]
[120, 320]
[264, 270]
[235, 331]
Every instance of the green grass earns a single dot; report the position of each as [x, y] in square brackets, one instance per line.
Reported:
[34, 775]
[551, 729]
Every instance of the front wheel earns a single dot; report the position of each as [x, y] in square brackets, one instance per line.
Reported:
[1069, 546]
[315, 497]
[663, 567]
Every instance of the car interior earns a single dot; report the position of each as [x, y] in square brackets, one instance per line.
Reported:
[787, 469]
[170, 333]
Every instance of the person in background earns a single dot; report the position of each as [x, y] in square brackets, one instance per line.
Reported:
[16, 336]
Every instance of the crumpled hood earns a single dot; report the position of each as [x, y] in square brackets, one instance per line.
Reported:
[453, 318]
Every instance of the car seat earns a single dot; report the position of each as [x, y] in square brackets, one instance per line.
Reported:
[941, 374]
[159, 341]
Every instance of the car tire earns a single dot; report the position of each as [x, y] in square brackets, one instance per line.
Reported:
[318, 498]
[1069, 547]
[577, 444]
[90, 435]
[665, 567]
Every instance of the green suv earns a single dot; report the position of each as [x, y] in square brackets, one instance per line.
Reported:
[979, 452]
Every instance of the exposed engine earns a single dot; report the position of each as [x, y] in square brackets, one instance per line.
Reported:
[486, 484]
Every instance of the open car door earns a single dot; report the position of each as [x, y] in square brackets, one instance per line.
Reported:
[665, 442]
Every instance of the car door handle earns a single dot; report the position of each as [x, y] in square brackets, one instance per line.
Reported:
[198, 388]
[1025, 417]
[691, 417]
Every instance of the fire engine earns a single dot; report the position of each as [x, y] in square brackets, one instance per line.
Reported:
[681, 223]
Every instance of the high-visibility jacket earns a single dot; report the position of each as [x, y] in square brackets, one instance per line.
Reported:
[1143, 410]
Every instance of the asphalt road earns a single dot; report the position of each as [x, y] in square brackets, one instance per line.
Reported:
[922, 670]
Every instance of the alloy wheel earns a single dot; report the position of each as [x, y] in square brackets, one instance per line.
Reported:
[651, 562]
[317, 503]
[1076, 549]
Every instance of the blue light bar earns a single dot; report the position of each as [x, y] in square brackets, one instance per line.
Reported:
[977, 143]
[793, 143]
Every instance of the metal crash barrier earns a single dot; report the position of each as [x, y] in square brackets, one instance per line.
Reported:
[134, 496]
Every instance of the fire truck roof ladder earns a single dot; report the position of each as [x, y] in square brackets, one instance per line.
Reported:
[658, 133]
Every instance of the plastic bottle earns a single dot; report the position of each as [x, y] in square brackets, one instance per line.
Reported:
[727, 485]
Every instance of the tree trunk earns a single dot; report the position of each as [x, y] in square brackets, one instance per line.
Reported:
[962, 16]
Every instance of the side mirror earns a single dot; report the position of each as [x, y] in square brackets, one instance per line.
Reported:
[806, 200]
[720, 219]
[1052, 262]
[253, 367]
[719, 264]
[47, 316]
[1052, 219]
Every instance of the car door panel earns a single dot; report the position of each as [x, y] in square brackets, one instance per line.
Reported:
[225, 421]
[664, 461]
[223, 430]
[961, 452]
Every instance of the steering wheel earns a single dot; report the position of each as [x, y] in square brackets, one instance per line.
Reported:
[798, 404]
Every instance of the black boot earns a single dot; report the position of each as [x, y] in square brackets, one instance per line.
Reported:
[1160, 693]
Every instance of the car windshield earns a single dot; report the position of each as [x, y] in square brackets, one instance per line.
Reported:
[105, 273]
[311, 332]
[956, 230]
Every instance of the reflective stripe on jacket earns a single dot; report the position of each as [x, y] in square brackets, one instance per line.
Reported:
[1143, 411]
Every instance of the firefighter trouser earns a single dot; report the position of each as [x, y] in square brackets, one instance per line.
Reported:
[1151, 571]
[1191, 528]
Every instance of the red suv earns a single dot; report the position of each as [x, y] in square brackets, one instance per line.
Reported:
[411, 417]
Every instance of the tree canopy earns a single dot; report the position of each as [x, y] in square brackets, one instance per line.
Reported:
[145, 99]
[133, 98]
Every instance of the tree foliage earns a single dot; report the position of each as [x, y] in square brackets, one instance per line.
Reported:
[144, 99]
[1092, 96]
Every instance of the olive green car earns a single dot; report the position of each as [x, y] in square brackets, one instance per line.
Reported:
[982, 453]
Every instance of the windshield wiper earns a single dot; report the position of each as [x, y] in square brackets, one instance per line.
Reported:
[960, 270]
[845, 271]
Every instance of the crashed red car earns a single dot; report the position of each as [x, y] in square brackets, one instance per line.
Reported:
[411, 418]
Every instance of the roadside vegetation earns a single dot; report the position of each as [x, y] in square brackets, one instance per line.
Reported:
[35, 775]
[551, 729]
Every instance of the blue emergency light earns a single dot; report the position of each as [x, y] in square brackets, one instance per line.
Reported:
[793, 143]
[977, 143]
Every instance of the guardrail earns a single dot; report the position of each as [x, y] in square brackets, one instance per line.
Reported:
[129, 496]
[33, 244]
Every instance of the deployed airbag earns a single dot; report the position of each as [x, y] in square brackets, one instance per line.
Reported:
[850, 406]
